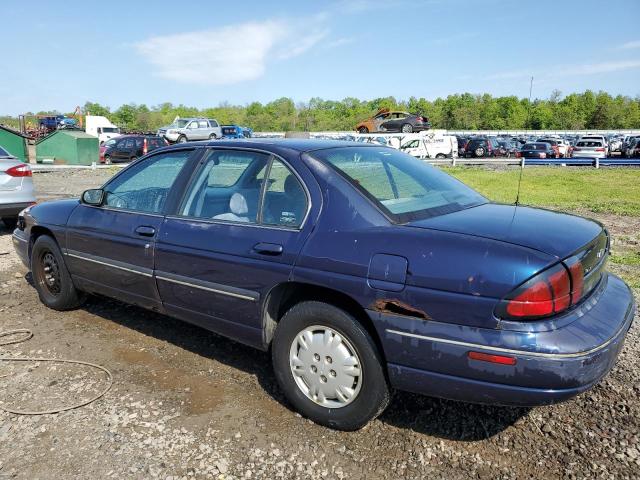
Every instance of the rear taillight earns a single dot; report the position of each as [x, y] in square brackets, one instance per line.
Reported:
[144, 147]
[545, 294]
[599, 149]
[19, 171]
[577, 278]
[518, 154]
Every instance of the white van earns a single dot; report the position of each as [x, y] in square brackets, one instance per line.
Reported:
[430, 144]
[100, 127]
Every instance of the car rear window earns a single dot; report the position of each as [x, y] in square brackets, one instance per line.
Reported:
[535, 146]
[228, 130]
[589, 143]
[403, 187]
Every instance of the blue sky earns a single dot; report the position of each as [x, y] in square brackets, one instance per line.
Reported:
[57, 55]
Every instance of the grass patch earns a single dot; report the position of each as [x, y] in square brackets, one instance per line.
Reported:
[607, 190]
[627, 258]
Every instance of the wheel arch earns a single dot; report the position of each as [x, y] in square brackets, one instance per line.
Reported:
[285, 295]
[36, 232]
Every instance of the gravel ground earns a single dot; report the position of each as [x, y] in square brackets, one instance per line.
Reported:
[186, 403]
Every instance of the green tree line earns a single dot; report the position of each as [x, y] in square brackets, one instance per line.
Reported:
[587, 110]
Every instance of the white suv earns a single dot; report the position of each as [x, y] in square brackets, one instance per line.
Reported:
[189, 129]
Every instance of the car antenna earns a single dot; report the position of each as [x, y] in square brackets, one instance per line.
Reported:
[522, 159]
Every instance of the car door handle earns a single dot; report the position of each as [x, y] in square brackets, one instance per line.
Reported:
[267, 248]
[145, 231]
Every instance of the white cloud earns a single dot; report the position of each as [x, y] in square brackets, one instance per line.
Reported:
[595, 68]
[630, 45]
[568, 70]
[230, 54]
[339, 42]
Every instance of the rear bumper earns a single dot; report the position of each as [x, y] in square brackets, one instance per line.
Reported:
[553, 364]
[13, 209]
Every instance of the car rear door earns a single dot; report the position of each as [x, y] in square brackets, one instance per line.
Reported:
[110, 248]
[235, 236]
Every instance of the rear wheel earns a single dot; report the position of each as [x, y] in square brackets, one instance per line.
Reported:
[407, 128]
[133, 159]
[479, 152]
[213, 136]
[329, 367]
[51, 277]
[363, 130]
[107, 159]
[441, 155]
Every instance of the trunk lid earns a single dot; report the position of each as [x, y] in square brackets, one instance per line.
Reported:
[554, 233]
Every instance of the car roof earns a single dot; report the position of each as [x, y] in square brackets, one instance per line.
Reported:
[299, 145]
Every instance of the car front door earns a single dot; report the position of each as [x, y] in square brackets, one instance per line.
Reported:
[235, 236]
[110, 248]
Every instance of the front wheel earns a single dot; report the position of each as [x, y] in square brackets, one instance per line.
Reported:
[213, 136]
[441, 155]
[363, 130]
[329, 367]
[51, 277]
[182, 139]
[407, 128]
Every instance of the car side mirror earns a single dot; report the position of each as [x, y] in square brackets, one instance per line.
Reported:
[94, 197]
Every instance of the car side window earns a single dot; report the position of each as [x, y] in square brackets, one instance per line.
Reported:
[144, 186]
[285, 202]
[203, 124]
[213, 123]
[128, 143]
[228, 187]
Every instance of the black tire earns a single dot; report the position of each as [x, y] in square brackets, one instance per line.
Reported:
[441, 155]
[107, 160]
[213, 136]
[10, 222]
[363, 130]
[182, 139]
[374, 394]
[59, 294]
[406, 128]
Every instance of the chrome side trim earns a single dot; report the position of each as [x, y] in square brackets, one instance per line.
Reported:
[209, 286]
[126, 267]
[523, 353]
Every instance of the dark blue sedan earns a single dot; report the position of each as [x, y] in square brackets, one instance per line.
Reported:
[360, 268]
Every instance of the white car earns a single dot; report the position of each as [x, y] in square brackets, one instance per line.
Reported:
[16, 188]
[589, 148]
[600, 138]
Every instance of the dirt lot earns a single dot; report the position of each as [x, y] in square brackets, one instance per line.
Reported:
[186, 403]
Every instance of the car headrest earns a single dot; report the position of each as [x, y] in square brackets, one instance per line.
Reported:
[292, 186]
[238, 204]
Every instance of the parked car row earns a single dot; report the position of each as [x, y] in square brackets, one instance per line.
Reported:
[588, 146]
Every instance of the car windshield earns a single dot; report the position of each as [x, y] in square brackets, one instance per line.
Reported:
[403, 187]
[179, 123]
[4, 153]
